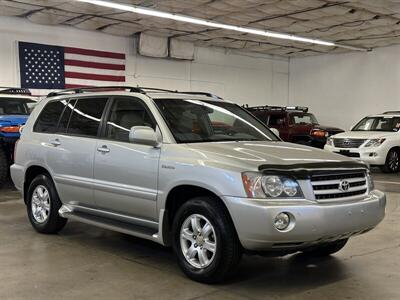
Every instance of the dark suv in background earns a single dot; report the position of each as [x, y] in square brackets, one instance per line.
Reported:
[295, 124]
[15, 107]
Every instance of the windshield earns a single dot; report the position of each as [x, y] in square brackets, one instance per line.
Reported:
[388, 124]
[195, 121]
[303, 119]
[14, 106]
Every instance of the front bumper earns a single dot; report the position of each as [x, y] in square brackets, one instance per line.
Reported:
[375, 156]
[313, 222]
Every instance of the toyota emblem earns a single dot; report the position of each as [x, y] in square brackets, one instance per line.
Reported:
[344, 185]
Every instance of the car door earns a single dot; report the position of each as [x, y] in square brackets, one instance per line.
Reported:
[71, 149]
[126, 174]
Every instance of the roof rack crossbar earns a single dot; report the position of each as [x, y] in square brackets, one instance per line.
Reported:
[94, 88]
[276, 108]
[14, 90]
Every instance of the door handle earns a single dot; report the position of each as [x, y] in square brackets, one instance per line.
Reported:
[55, 143]
[103, 149]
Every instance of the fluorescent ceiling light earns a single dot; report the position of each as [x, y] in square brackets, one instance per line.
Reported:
[203, 22]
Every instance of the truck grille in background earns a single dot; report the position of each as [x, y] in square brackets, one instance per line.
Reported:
[327, 186]
[348, 143]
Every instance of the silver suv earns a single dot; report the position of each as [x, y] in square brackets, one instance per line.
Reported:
[191, 171]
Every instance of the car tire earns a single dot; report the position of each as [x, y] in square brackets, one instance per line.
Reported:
[326, 249]
[392, 164]
[215, 231]
[43, 204]
[4, 165]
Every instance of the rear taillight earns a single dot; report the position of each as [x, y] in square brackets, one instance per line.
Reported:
[10, 129]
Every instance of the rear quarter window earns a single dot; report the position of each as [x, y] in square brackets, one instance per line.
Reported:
[48, 118]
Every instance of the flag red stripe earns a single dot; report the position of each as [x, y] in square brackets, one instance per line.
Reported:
[97, 53]
[79, 75]
[94, 65]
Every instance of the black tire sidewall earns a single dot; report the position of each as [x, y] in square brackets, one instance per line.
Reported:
[224, 234]
[387, 168]
[53, 221]
[4, 166]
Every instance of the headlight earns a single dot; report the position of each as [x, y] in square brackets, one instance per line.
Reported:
[270, 186]
[329, 141]
[370, 181]
[319, 133]
[374, 143]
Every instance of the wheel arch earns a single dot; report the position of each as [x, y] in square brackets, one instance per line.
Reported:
[179, 195]
[30, 174]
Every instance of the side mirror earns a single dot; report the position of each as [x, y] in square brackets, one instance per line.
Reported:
[275, 131]
[145, 135]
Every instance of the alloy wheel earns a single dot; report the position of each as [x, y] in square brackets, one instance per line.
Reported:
[198, 241]
[40, 204]
[394, 161]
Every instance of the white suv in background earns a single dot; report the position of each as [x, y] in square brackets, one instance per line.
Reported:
[374, 140]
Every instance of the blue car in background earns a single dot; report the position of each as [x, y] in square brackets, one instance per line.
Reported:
[15, 107]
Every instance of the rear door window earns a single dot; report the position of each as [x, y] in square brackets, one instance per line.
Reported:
[86, 116]
[276, 120]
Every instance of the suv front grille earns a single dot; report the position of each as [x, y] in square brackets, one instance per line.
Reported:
[337, 186]
[348, 143]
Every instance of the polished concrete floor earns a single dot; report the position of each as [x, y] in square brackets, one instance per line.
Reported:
[83, 262]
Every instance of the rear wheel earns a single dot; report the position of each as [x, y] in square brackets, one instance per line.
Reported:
[392, 164]
[43, 205]
[4, 165]
[205, 240]
[326, 249]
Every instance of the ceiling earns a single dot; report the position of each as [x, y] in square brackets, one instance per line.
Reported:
[360, 23]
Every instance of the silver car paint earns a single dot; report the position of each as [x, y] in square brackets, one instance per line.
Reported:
[125, 182]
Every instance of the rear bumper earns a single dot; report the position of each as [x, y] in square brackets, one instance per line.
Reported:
[17, 175]
[312, 222]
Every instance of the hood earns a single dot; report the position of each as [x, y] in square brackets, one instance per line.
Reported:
[246, 155]
[366, 135]
[11, 120]
[328, 128]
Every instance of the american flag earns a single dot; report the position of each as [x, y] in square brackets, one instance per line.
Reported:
[54, 67]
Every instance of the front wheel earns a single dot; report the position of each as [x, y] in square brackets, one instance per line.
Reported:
[392, 164]
[205, 241]
[43, 205]
[326, 249]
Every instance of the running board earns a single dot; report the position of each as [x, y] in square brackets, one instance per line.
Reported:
[110, 224]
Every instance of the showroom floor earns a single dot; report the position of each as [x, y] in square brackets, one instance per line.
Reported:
[84, 262]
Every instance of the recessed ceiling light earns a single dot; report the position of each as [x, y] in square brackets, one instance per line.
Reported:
[207, 23]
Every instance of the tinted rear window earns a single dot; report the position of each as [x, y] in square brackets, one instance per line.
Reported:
[48, 119]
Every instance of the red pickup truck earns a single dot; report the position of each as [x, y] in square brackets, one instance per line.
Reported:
[295, 124]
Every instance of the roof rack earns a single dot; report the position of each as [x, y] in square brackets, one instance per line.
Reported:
[276, 108]
[14, 90]
[131, 89]
[95, 88]
[392, 112]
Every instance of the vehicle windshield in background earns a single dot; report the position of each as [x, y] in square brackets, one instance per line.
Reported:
[14, 106]
[305, 118]
[388, 124]
[195, 121]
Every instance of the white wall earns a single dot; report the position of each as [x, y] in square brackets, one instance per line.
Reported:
[242, 77]
[341, 89]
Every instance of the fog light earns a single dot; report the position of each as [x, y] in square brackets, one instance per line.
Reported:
[282, 221]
